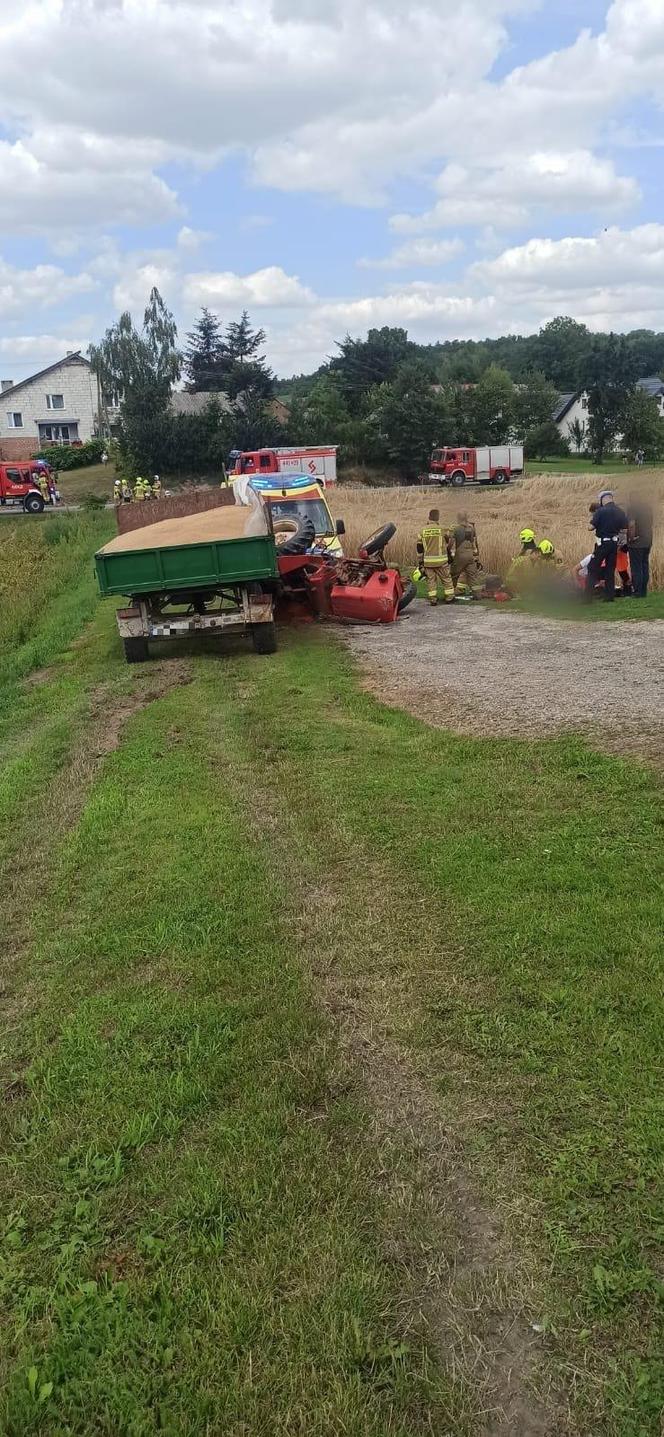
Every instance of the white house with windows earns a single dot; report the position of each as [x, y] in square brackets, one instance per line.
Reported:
[57, 406]
[573, 407]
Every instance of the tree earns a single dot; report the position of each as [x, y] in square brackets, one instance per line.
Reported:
[205, 360]
[247, 370]
[493, 405]
[544, 441]
[578, 433]
[142, 367]
[642, 426]
[534, 402]
[610, 375]
[559, 351]
[408, 419]
[365, 363]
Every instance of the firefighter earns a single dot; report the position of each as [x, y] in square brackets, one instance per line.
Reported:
[42, 482]
[139, 488]
[434, 560]
[127, 494]
[520, 573]
[156, 487]
[117, 490]
[465, 567]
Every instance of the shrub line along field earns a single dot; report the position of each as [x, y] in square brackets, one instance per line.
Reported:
[325, 1110]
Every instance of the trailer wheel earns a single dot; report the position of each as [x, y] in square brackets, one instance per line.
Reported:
[458, 479]
[33, 504]
[377, 541]
[500, 477]
[409, 593]
[264, 637]
[135, 650]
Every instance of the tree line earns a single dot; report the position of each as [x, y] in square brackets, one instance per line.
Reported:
[383, 400]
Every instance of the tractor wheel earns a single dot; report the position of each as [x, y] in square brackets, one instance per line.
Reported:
[295, 540]
[264, 637]
[409, 593]
[135, 650]
[377, 541]
[458, 479]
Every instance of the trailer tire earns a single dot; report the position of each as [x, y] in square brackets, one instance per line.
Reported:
[264, 637]
[135, 650]
[409, 593]
[500, 477]
[458, 479]
[301, 540]
[33, 504]
[377, 541]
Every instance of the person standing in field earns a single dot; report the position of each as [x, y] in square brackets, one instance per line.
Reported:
[465, 567]
[639, 543]
[607, 520]
[434, 560]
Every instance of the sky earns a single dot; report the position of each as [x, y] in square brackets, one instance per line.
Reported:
[462, 168]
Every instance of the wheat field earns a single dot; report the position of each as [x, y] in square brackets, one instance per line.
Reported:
[555, 506]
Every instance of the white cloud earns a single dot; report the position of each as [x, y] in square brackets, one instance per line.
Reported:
[417, 253]
[69, 180]
[270, 287]
[613, 257]
[34, 351]
[45, 286]
[189, 239]
[507, 195]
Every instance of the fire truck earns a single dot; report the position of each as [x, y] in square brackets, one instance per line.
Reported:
[319, 461]
[495, 465]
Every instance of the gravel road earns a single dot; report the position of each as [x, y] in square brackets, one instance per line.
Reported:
[484, 671]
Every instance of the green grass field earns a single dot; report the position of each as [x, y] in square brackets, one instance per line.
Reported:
[331, 1053]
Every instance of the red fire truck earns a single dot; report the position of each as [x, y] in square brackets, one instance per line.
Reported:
[495, 465]
[19, 484]
[317, 460]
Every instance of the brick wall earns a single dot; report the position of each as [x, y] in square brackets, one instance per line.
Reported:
[190, 501]
[13, 451]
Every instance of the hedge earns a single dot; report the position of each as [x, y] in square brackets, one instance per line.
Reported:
[66, 456]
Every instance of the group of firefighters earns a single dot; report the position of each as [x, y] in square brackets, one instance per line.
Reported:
[124, 493]
[449, 559]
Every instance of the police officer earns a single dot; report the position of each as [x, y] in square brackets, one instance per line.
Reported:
[434, 560]
[608, 519]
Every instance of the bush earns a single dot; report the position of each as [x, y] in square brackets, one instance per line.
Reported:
[66, 457]
[544, 442]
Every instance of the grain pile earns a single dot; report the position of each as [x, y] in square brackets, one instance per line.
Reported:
[555, 506]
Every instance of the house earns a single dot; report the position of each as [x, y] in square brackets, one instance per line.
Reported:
[182, 402]
[575, 406]
[56, 406]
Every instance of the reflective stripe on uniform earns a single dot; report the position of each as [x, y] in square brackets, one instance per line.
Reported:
[432, 540]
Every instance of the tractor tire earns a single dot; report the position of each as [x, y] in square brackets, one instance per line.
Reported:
[264, 637]
[458, 479]
[33, 504]
[500, 477]
[301, 540]
[377, 541]
[409, 593]
[135, 650]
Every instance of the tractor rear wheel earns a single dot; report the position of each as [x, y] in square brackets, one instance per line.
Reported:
[409, 593]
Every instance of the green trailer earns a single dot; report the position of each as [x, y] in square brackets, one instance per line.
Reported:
[204, 573]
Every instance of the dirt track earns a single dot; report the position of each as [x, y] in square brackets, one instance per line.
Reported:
[479, 670]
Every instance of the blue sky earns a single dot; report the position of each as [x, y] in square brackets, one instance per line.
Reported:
[460, 170]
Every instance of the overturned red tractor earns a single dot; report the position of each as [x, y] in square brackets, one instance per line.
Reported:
[364, 590]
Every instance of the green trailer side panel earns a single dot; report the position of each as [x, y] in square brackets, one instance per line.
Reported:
[187, 566]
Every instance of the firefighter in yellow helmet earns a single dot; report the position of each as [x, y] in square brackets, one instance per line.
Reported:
[139, 488]
[465, 567]
[117, 490]
[521, 571]
[434, 560]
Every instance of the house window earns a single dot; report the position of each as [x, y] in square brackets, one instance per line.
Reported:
[58, 433]
[15, 419]
[55, 401]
